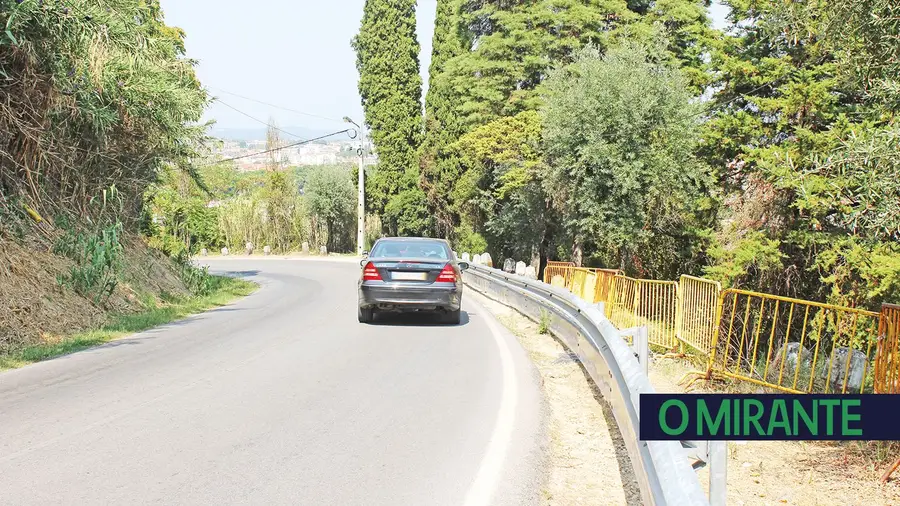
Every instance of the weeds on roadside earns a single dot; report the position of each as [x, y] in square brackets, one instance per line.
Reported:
[98, 257]
[544, 323]
[197, 279]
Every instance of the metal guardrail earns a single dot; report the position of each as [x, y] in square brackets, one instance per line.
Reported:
[663, 474]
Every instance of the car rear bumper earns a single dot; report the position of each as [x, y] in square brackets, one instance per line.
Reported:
[410, 298]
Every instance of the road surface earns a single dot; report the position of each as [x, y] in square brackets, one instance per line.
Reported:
[281, 398]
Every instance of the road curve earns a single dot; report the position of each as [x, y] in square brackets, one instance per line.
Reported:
[281, 398]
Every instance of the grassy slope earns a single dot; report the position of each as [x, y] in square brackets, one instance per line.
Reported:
[167, 311]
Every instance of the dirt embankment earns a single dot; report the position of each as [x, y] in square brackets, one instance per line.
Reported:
[36, 307]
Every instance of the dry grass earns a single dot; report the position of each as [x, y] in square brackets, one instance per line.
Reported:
[33, 306]
[35, 309]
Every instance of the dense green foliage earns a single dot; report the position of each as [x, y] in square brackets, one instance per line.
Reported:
[615, 127]
[805, 145]
[95, 94]
[97, 259]
[391, 90]
[279, 209]
[764, 156]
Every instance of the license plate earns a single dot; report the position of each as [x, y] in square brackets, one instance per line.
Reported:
[408, 276]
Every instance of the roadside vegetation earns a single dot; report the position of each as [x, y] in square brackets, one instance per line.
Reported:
[99, 103]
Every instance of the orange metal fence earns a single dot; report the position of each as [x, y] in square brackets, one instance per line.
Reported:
[554, 269]
[887, 356]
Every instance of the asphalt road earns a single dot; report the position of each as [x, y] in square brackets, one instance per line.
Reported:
[281, 398]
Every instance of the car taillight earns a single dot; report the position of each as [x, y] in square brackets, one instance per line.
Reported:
[370, 273]
[447, 275]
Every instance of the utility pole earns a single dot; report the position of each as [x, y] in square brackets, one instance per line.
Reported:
[361, 185]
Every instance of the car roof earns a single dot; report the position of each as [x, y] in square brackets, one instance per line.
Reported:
[411, 239]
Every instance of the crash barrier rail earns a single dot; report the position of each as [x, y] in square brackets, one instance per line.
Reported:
[794, 345]
[854, 350]
[887, 356]
[663, 474]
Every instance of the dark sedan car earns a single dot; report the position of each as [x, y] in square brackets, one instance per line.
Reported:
[411, 274]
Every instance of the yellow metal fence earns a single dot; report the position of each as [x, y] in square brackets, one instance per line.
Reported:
[620, 308]
[781, 343]
[698, 301]
[635, 302]
[604, 284]
[657, 307]
[562, 269]
[794, 345]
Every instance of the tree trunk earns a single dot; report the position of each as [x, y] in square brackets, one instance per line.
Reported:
[577, 252]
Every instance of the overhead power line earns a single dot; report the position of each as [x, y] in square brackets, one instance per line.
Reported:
[287, 146]
[274, 105]
[235, 109]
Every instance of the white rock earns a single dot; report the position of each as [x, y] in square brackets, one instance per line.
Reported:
[224, 251]
[520, 268]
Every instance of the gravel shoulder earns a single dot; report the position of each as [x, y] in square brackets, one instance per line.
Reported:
[588, 463]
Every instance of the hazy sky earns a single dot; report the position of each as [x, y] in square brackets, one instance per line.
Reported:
[291, 53]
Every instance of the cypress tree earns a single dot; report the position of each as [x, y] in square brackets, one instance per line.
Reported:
[387, 58]
[441, 127]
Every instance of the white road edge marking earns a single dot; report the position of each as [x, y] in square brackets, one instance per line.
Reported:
[489, 474]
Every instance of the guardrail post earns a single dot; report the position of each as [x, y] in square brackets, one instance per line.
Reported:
[718, 472]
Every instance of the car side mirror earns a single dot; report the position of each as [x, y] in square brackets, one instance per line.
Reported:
[365, 253]
[463, 266]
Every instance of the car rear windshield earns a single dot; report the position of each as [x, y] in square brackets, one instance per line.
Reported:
[410, 249]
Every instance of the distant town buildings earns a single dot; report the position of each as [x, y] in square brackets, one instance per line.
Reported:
[320, 153]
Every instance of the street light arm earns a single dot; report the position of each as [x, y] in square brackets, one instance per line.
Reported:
[348, 120]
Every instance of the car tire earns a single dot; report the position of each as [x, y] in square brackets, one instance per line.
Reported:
[451, 317]
[365, 314]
